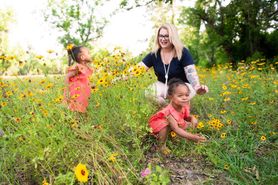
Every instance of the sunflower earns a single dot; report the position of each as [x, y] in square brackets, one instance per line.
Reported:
[81, 173]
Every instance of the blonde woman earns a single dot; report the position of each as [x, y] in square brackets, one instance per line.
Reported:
[170, 59]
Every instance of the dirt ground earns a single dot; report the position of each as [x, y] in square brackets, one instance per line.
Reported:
[188, 170]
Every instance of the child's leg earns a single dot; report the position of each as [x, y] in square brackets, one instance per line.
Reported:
[162, 136]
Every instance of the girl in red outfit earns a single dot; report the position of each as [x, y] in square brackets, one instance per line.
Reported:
[78, 89]
[176, 116]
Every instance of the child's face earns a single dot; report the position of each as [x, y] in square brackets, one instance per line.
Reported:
[180, 96]
[85, 55]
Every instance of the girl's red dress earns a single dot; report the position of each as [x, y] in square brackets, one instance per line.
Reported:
[79, 88]
[159, 120]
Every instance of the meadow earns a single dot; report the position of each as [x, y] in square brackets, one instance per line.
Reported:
[42, 142]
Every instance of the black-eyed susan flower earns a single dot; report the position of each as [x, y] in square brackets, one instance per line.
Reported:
[173, 134]
[9, 93]
[77, 88]
[50, 51]
[223, 112]
[244, 99]
[81, 172]
[227, 99]
[253, 123]
[229, 122]
[3, 104]
[200, 125]
[224, 87]
[223, 135]
[226, 167]
[75, 96]
[263, 138]
[42, 81]
[17, 120]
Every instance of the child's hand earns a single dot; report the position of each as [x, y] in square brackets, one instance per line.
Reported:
[201, 138]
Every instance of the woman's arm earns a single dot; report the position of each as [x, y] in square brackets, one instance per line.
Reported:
[174, 127]
[141, 64]
[192, 77]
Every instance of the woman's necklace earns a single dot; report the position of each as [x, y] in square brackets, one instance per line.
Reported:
[166, 71]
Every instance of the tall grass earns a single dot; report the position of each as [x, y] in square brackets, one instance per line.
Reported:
[44, 140]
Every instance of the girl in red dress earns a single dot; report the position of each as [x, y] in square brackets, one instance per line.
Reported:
[176, 116]
[78, 89]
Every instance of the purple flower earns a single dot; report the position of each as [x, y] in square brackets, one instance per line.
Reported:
[145, 172]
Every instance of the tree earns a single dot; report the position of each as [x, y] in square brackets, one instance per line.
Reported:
[6, 16]
[160, 10]
[77, 21]
[238, 27]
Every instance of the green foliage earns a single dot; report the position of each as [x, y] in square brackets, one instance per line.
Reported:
[158, 176]
[77, 21]
[44, 140]
[6, 17]
[238, 28]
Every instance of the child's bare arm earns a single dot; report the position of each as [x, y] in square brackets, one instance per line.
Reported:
[68, 76]
[174, 126]
[193, 120]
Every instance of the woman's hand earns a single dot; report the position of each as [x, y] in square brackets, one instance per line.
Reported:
[201, 89]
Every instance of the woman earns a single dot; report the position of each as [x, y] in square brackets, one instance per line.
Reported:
[170, 59]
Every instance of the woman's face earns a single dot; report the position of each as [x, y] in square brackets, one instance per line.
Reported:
[163, 38]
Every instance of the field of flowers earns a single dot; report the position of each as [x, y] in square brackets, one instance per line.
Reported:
[41, 142]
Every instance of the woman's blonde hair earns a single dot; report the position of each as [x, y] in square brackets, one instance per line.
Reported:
[173, 38]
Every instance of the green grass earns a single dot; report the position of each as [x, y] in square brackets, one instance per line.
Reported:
[45, 140]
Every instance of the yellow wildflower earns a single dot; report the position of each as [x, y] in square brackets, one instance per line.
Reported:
[226, 166]
[200, 125]
[112, 157]
[263, 138]
[75, 96]
[223, 135]
[81, 173]
[69, 46]
[173, 134]
[227, 99]
[44, 182]
[39, 57]
[223, 111]
[244, 99]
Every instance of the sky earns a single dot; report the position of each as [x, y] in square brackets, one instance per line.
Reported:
[130, 29]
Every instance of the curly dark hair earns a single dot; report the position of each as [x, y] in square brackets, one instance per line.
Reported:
[173, 84]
